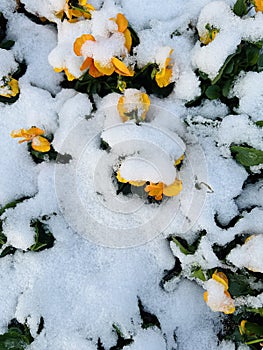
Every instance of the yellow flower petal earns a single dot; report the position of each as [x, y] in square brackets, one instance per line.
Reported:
[122, 22]
[106, 70]
[258, 5]
[179, 160]
[93, 71]
[242, 327]
[87, 63]
[69, 76]
[33, 132]
[121, 109]
[221, 278]
[146, 104]
[80, 41]
[120, 178]
[155, 190]
[128, 39]
[174, 189]
[40, 144]
[163, 78]
[121, 67]
[17, 133]
[13, 83]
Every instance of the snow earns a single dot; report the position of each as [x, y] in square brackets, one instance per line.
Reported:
[111, 249]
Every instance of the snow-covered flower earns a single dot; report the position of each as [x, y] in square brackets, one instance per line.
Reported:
[163, 76]
[209, 34]
[9, 88]
[134, 104]
[74, 9]
[217, 296]
[39, 143]
[99, 66]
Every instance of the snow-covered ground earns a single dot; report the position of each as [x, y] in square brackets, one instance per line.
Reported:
[111, 250]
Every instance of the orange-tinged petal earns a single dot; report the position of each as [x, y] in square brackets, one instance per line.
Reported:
[87, 63]
[13, 83]
[93, 71]
[128, 39]
[17, 133]
[258, 5]
[106, 70]
[174, 189]
[221, 278]
[137, 183]
[40, 144]
[206, 296]
[122, 22]
[155, 190]
[121, 67]
[33, 132]
[80, 41]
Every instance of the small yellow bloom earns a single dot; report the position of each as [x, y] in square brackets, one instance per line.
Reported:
[258, 5]
[163, 77]
[217, 296]
[157, 190]
[75, 9]
[134, 104]
[10, 87]
[39, 143]
[209, 34]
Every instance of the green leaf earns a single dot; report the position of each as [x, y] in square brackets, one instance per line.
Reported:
[43, 237]
[7, 44]
[226, 88]
[252, 55]
[260, 123]
[240, 8]
[255, 310]
[260, 62]
[247, 156]
[3, 238]
[12, 204]
[197, 272]
[213, 92]
[17, 337]
[229, 58]
[181, 246]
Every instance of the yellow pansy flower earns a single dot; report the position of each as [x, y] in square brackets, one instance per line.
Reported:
[209, 34]
[39, 143]
[74, 9]
[134, 104]
[163, 77]
[97, 68]
[10, 87]
[217, 297]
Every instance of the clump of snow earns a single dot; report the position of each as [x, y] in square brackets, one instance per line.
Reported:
[249, 90]
[249, 255]
[8, 63]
